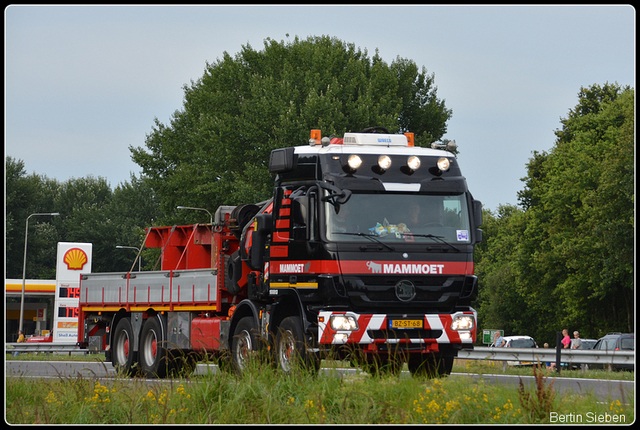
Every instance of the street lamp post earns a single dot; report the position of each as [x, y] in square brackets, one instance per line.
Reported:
[24, 264]
[137, 249]
[199, 209]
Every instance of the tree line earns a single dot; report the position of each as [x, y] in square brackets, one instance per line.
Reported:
[90, 211]
[562, 258]
[565, 257]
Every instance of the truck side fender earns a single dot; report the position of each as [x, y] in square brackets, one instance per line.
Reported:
[289, 304]
[244, 308]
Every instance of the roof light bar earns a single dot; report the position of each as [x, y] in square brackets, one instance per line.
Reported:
[375, 139]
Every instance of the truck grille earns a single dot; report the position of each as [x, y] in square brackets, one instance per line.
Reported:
[431, 292]
[404, 334]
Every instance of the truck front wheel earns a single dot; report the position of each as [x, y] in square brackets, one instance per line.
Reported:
[245, 344]
[290, 347]
[122, 355]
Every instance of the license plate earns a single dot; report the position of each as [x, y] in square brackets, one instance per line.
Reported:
[405, 324]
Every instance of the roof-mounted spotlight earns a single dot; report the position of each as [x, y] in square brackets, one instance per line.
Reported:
[384, 162]
[443, 164]
[413, 163]
[354, 162]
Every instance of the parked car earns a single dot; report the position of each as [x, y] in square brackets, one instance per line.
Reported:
[520, 342]
[615, 342]
[586, 344]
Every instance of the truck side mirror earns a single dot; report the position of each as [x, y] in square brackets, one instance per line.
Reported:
[477, 213]
[257, 251]
[282, 160]
[300, 218]
[478, 235]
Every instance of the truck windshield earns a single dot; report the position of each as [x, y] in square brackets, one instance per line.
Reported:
[399, 218]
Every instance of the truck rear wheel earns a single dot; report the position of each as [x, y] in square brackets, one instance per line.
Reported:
[153, 352]
[290, 347]
[122, 355]
[245, 344]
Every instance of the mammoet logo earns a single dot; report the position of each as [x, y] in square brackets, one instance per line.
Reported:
[374, 267]
[406, 268]
[405, 291]
[295, 267]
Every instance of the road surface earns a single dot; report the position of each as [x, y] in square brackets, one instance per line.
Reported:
[603, 389]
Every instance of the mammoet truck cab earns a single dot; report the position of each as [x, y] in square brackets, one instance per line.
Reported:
[365, 251]
[376, 238]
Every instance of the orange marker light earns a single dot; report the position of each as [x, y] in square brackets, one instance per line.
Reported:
[316, 135]
[409, 139]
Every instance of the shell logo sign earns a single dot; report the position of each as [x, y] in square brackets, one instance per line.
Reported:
[75, 259]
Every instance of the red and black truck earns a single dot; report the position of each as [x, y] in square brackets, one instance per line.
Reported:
[365, 251]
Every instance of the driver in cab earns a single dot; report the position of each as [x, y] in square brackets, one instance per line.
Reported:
[341, 221]
[431, 215]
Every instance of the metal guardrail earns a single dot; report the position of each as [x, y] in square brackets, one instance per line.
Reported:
[548, 355]
[47, 347]
[544, 355]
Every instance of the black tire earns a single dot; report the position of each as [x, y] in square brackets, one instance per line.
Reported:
[245, 344]
[122, 356]
[290, 347]
[154, 361]
[430, 365]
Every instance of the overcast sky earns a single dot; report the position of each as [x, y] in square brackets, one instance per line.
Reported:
[83, 83]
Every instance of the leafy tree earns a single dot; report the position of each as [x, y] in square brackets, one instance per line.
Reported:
[107, 219]
[216, 149]
[133, 207]
[23, 197]
[566, 260]
[499, 303]
[577, 248]
[89, 212]
[592, 193]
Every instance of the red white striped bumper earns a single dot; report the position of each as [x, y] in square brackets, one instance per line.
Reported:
[374, 328]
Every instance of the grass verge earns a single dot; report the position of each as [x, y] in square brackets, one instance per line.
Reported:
[263, 395]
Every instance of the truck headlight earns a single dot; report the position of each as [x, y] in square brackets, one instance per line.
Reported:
[462, 322]
[343, 322]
